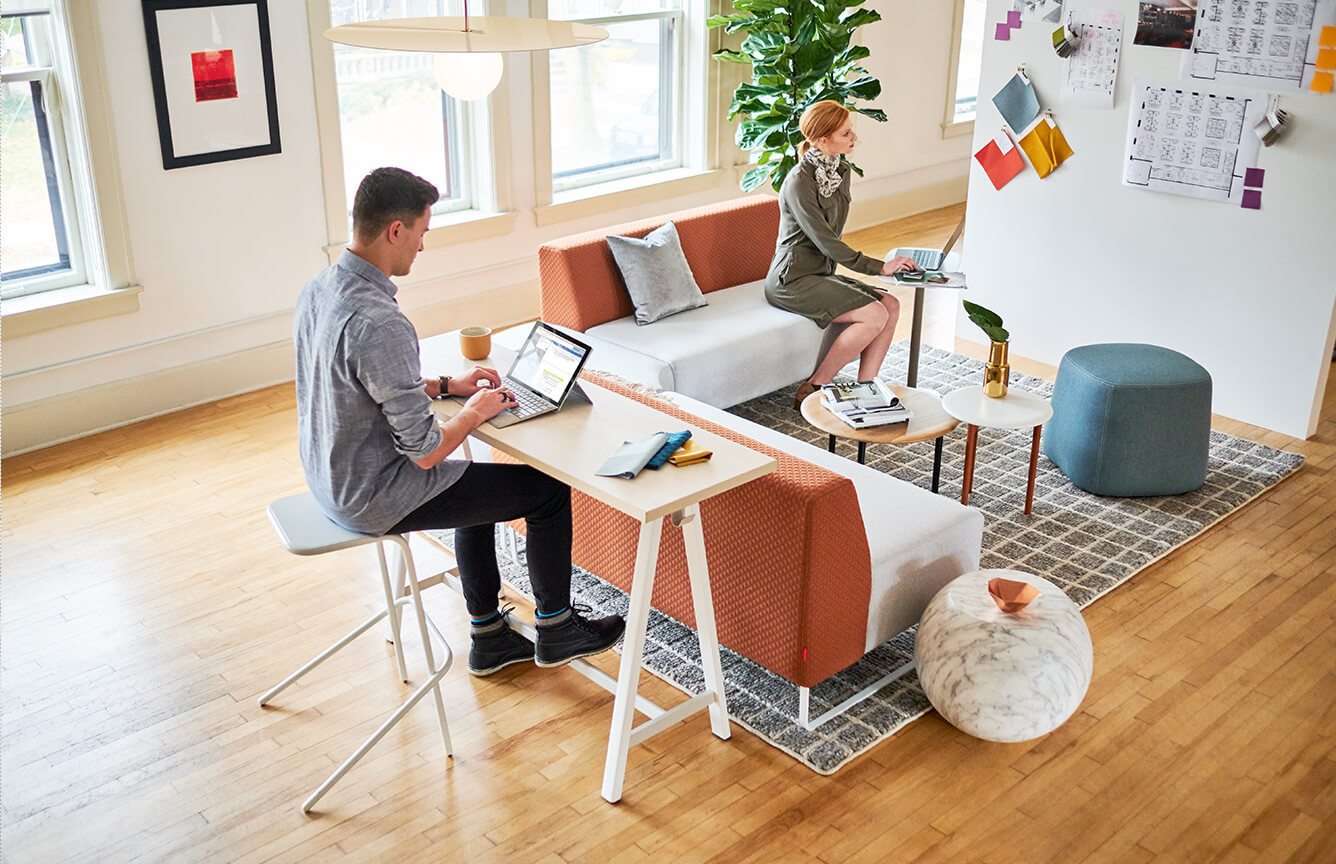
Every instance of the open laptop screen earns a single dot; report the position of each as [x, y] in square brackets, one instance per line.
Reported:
[548, 362]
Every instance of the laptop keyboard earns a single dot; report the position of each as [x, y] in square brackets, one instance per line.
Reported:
[530, 403]
[926, 259]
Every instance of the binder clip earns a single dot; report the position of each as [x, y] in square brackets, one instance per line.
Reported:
[1065, 41]
[1274, 125]
[1020, 70]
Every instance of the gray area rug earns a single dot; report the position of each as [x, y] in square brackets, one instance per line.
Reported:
[1084, 543]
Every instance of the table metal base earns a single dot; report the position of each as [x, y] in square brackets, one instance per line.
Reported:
[936, 457]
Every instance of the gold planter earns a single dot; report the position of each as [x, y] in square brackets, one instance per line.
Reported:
[996, 371]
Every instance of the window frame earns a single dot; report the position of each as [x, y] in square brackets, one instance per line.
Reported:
[951, 127]
[676, 105]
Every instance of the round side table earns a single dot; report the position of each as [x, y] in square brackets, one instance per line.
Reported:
[1016, 410]
[1003, 676]
[928, 422]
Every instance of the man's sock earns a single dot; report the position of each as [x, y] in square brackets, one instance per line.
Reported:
[551, 619]
[487, 624]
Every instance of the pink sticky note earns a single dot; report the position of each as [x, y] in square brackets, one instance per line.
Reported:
[1014, 18]
[1252, 199]
[1003, 33]
[1253, 177]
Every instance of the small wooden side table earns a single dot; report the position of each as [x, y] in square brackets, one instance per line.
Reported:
[929, 422]
[1016, 410]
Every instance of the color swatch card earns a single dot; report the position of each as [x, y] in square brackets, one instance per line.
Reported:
[1046, 146]
[1000, 159]
[1018, 102]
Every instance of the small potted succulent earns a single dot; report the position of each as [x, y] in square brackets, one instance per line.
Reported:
[995, 370]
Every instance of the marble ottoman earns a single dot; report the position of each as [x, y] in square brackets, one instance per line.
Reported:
[998, 675]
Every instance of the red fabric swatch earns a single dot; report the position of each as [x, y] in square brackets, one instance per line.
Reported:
[1000, 159]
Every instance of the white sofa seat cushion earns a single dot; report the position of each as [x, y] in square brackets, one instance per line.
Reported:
[736, 348]
[918, 540]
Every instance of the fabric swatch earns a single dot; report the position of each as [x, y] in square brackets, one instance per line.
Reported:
[1252, 199]
[1046, 147]
[1018, 102]
[1000, 159]
[1254, 177]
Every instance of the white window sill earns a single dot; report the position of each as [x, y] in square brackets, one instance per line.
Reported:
[461, 226]
[627, 192]
[49, 310]
[958, 130]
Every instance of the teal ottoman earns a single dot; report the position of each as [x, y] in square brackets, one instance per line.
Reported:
[1130, 420]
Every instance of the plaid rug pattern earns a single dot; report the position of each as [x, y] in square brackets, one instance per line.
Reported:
[1085, 543]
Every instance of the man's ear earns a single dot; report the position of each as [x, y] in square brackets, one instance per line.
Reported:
[394, 230]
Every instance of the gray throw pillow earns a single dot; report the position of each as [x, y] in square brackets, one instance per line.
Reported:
[656, 274]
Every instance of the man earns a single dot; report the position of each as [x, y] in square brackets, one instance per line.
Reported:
[375, 455]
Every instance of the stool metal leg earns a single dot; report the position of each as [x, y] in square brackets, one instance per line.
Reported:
[392, 613]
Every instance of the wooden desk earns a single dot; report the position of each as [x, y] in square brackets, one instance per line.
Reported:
[570, 446]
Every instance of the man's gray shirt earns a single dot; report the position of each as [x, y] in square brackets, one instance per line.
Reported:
[362, 413]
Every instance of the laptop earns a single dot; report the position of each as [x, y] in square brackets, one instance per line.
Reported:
[930, 259]
[544, 374]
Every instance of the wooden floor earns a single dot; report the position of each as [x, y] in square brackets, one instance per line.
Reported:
[147, 603]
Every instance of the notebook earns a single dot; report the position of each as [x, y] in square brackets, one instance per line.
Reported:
[930, 259]
[543, 375]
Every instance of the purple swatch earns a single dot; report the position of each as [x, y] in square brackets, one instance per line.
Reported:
[1014, 18]
[1003, 33]
[1253, 177]
[1252, 199]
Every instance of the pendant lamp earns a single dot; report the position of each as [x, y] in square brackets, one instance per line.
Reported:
[474, 76]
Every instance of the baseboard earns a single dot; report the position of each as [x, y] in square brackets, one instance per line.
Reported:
[62, 417]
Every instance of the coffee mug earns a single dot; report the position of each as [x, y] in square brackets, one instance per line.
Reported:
[475, 343]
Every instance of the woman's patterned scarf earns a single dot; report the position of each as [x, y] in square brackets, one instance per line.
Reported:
[828, 177]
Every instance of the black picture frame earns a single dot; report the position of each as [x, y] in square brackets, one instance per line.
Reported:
[220, 50]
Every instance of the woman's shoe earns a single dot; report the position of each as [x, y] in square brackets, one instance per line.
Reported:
[805, 389]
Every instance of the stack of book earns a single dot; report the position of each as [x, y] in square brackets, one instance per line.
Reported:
[864, 404]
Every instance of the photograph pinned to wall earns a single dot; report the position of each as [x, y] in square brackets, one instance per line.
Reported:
[1017, 101]
[1089, 75]
[1271, 46]
[1049, 11]
[212, 68]
[1045, 145]
[1191, 139]
[1167, 23]
[1000, 159]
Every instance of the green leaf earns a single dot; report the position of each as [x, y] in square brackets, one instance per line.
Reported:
[720, 20]
[875, 113]
[732, 56]
[987, 320]
[866, 87]
[753, 178]
[859, 18]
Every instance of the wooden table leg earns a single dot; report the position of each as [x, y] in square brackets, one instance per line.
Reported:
[966, 482]
[1034, 469]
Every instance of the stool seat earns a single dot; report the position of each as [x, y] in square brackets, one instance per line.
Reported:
[304, 529]
[1130, 419]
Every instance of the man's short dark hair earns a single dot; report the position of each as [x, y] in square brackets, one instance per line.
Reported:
[386, 195]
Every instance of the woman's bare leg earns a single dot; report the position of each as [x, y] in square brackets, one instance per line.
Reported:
[871, 357]
[865, 325]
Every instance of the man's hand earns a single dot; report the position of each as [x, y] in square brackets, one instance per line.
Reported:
[477, 378]
[900, 262]
[486, 403]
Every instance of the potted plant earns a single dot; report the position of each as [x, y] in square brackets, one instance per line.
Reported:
[801, 52]
[995, 370]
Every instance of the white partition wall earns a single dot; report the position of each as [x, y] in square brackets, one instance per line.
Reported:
[1079, 258]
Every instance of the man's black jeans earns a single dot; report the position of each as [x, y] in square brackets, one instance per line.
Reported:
[488, 493]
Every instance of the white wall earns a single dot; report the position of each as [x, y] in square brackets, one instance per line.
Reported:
[1078, 258]
[223, 250]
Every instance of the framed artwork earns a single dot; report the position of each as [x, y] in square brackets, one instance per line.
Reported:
[213, 80]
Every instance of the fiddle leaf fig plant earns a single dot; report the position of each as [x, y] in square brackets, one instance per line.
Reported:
[800, 52]
[989, 322]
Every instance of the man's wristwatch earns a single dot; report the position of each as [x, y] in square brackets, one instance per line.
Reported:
[445, 387]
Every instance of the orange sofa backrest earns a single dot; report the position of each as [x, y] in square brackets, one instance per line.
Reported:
[726, 244]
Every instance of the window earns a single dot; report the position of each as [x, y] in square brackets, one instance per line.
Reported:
[392, 111]
[616, 105]
[969, 19]
[41, 233]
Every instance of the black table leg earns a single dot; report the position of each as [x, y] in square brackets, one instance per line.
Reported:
[936, 462]
[831, 445]
[862, 452]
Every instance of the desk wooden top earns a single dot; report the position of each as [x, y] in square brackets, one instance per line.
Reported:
[572, 443]
[930, 420]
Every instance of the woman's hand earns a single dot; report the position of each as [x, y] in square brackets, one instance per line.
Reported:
[897, 263]
[475, 379]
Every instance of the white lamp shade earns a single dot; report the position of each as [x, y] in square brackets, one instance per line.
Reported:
[467, 76]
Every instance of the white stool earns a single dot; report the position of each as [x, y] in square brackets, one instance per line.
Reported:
[304, 530]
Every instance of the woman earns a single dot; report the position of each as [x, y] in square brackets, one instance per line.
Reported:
[813, 204]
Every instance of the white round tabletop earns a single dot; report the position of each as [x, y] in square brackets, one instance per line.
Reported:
[1016, 410]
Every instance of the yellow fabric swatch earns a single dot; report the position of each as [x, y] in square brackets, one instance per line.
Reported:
[1046, 147]
[1326, 59]
[689, 454]
[1322, 82]
[1327, 38]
